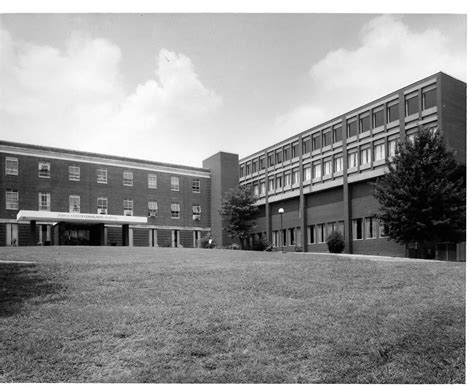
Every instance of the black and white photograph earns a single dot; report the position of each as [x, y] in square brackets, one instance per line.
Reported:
[207, 194]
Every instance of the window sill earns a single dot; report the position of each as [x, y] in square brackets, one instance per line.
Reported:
[352, 169]
[337, 174]
[337, 144]
[393, 124]
[365, 166]
[413, 116]
[364, 134]
[351, 139]
[429, 111]
[379, 162]
[327, 177]
[378, 129]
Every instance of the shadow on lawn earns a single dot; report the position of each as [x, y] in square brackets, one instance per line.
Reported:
[19, 282]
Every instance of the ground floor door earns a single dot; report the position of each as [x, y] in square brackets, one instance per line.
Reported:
[153, 238]
[45, 234]
[175, 238]
[197, 239]
[12, 235]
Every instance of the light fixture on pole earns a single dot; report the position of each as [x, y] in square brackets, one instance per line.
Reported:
[281, 211]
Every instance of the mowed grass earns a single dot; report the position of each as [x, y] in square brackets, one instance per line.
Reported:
[215, 316]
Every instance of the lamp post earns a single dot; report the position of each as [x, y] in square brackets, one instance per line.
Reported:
[281, 211]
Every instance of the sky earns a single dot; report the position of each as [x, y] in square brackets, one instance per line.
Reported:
[177, 88]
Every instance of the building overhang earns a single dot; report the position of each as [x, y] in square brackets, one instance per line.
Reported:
[85, 218]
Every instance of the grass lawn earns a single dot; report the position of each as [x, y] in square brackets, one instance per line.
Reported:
[110, 314]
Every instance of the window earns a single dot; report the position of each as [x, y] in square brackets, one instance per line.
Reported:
[379, 151]
[316, 141]
[357, 229]
[291, 236]
[174, 183]
[279, 181]
[382, 231]
[152, 208]
[254, 165]
[340, 227]
[411, 104]
[295, 152]
[306, 145]
[275, 238]
[102, 205]
[326, 138]
[283, 234]
[316, 170]
[392, 147]
[286, 153]
[74, 204]
[352, 158]
[307, 172]
[196, 212]
[44, 169]
[377, 117]
[242, 170]
[152, 181]
[128, 207]
[287, 178]
[175, 210]
[296, 177]
[247, 168]
[196, 186]
[255, 189]
[74, 173]
[392, 111]
[11, 166]
[428, 97]
[262, 187]
[11, 199]
[278, 156]
[351, 128]
[331, 227]
[411, 137]
[311, 234]
[271, 159]
[364, 123]
[321, 234]
[44, 200]
[327, 167]
[101, 175]
[365, 156]
[128, 178]
[271, 184]
[262, 162]
[338, 163]
[337, 133]
[370, 223]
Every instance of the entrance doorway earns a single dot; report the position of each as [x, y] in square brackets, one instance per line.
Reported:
[197, 239]
[175, 238]
[12, 235]
[153, 238]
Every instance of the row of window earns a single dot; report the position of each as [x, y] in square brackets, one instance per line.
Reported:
[362, 123]
[327, 166]
[362, 228]
[44, 171]
[44, 203]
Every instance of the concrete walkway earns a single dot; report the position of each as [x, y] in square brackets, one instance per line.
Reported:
[16, 262]
[370, 257]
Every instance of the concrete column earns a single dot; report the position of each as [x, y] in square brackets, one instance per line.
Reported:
[33, 232]
[125, 235]
[101, 230]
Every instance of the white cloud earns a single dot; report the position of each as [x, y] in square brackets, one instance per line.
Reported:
[76, 99]
[389, 57]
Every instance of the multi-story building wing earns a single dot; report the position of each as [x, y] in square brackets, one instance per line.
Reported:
[56, 196]
[322, 177]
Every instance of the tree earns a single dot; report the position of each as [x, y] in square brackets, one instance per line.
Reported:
[423, 196]
[240, 210]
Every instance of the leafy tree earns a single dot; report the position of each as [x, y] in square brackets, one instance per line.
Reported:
[240, 210]
[423, 196]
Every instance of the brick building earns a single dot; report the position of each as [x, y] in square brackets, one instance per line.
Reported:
[56, 196]
[321, 177]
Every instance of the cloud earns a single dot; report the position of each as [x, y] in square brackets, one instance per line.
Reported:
[75, 98]
[389, 56]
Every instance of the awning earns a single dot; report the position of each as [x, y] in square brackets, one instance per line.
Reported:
[38, 215]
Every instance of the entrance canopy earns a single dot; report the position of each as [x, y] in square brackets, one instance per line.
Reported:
[38, 215]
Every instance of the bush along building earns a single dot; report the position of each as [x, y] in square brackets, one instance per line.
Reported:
[320, 180]
[62, 197]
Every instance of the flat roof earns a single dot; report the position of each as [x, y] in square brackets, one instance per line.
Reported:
[83, 218]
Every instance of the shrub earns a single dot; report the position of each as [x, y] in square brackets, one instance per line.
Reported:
[259, 244]
[205, 242]
[335, 242]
